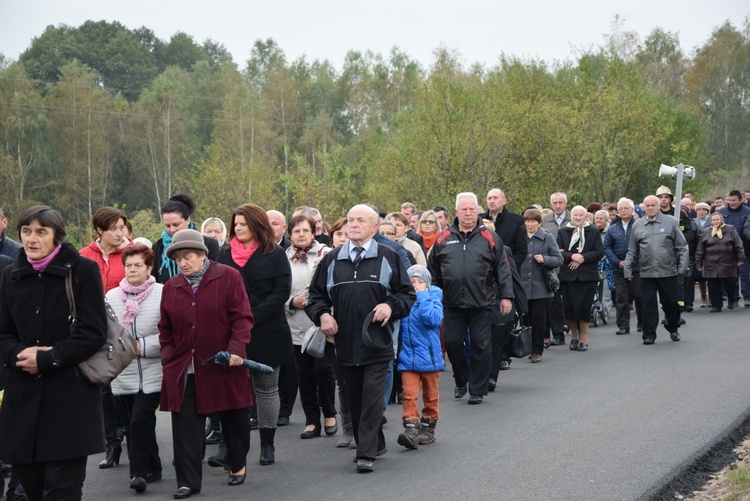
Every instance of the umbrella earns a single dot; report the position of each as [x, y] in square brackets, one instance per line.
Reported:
[223, 358]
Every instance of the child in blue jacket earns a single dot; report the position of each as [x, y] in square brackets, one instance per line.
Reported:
[420, 360]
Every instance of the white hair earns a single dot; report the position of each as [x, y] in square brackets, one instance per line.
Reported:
[624, 200]
[373, 213]
[578, 207]
[560, 193]
[467, 194]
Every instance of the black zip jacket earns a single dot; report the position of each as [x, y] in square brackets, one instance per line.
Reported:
[467, 267]
[350, 294]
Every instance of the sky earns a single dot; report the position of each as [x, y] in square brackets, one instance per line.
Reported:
[480, 31]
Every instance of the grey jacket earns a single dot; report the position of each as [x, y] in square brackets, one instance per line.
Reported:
[658, 246]
[549, 223]
[534, 283]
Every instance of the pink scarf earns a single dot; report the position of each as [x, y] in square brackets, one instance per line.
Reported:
[133, 302]
[41, 264]
[241, 254]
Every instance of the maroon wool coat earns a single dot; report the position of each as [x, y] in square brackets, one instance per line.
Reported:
[196, 326]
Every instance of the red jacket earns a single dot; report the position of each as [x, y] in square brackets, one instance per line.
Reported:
[195, 326]
[111, 269]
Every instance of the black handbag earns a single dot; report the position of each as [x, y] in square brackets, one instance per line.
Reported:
[118, 351]
[520, 341]
[551, 277]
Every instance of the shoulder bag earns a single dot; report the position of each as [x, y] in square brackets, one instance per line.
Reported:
[118, 350]
[551, 277]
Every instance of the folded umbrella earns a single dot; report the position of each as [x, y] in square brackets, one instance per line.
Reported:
[223, 358]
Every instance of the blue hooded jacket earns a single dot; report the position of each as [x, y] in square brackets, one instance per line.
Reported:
[419, 336]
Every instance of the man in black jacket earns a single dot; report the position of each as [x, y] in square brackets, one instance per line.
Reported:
[350, 282]
[466, 261]
[509, 226]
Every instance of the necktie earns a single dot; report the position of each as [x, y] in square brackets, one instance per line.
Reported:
[358, 257]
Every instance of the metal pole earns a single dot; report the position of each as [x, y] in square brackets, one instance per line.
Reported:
[678, 190]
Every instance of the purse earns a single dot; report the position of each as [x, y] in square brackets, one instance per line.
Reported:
[551, 277]
[520, 341]
[118, 350]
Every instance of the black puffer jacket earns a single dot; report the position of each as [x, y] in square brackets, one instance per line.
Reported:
[350, 294]
[467, 267]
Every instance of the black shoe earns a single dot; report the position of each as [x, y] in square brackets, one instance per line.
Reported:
[236, 479]
[689, 309]
[365, 466]
[731, 306]
[315, 432]
[331, 430]
[557, 341]
[547, 344]
[138, 484]
[583, 347]
[504, 365]
[639, 328]
[715, 310]
[253, 423]
[475, 399]
[382, 452]
[491, 384]
[620, 332]
[573, 345]
[649, 340]
[675, 336]
[460, 391]
[220, 459]
[153, 477]
[185, 492]
[213, 438]
[282, 421]
[112, 457]
[682, 321]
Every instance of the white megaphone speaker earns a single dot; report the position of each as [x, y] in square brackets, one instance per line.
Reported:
[666, 170]
[687, 173]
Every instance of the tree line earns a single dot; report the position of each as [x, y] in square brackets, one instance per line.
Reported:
[103, 115]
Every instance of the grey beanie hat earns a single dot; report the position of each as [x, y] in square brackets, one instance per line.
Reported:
[420, 271]
[186, 239]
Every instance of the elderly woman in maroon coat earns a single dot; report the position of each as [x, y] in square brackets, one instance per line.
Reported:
[204, 310]
[719, 253]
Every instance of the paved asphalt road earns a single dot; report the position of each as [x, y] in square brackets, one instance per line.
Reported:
[615, 422]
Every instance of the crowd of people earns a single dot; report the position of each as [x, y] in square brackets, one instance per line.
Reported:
[393, 295]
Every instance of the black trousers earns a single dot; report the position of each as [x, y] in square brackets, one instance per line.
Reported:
[365, 386]
[477, 321]
[500, 337]
[287, 387]
[627, 289]
[667, 288]
[53, 480]
[317, 386]
[188, 439]
[714, 290]
[138, 411]
[556, 316]
[112, 425]
[538, 318]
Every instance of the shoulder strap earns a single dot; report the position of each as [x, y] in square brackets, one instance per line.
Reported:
[71, 301]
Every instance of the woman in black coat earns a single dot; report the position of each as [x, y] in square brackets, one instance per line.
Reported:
[267, 274]
[719, 253]
[51, 415]
[581, 248]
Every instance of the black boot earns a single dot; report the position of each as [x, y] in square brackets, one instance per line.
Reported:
[410, 437]
[112, 457]
[221, 458]
[266, 446]
[427, 431]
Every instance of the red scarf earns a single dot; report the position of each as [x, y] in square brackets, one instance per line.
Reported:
[241, 254]
[429, 240]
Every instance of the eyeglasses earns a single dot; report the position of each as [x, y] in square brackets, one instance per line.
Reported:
[429, 222]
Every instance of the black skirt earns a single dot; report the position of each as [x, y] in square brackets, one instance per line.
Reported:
[578, 298]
